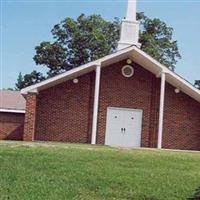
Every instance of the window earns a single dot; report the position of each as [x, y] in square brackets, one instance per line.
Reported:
[127, 71]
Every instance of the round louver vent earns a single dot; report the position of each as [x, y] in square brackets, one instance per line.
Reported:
[127, 71]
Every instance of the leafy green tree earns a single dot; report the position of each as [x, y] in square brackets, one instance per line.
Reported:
[77, 42]
[28, 79]
[20, 82]
[11, 89]
[156, 39]
[88, 38]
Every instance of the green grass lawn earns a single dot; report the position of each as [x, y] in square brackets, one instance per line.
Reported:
[63, 171]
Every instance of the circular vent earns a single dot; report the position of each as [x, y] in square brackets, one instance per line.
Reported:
[127, 71]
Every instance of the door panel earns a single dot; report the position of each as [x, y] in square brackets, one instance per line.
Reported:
[132, 124]
[115, 119]
[123, 127]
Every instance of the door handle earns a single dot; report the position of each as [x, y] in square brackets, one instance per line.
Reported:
[123, 130]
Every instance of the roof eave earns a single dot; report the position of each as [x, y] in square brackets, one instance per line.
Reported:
[172, 77]
[137, 55]
[6, 110]
[73, 72]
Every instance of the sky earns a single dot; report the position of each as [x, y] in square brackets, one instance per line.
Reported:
[24, 24]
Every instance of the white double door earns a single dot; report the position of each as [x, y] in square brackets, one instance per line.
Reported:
[123, 127]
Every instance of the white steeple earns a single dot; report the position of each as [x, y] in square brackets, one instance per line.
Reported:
[131, 10]
[129, 27]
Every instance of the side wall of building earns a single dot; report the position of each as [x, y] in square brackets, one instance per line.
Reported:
[64, 112]
[11, 126]
[181, 121]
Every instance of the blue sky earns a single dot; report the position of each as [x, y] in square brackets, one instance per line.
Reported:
[24, 24]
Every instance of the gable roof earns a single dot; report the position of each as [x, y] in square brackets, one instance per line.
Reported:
[12, 101]
[132, 52]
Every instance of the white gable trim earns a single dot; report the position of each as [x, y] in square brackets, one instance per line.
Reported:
[133, 52]
[11, 110]
[73, 72]
[171, 77]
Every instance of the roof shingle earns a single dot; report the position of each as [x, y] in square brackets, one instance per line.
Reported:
[12, 100]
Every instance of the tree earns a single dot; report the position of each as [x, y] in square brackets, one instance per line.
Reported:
[19, 84]
[156, 40]
[28, 79]
[88, 38]
[77, 42]
[11, 89]
[197, 84]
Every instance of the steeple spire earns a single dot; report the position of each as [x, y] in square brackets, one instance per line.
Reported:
[131, 10]
[129, 27]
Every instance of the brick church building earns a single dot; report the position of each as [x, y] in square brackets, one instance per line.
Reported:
[125, 99]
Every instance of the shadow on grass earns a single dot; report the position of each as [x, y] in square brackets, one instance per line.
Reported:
[196, 195]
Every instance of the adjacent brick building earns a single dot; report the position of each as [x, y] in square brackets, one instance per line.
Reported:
[12, 109]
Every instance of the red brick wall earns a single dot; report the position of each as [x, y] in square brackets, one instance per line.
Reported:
[11, 126]
[30, 117]
[181, 121]
[64, 112]
[137, 92]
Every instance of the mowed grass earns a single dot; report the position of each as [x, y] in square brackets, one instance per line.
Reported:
[64, 171]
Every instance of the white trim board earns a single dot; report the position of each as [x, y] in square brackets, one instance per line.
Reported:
[83, 69]
[133, 52]
[122, 108]
[11, 110]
